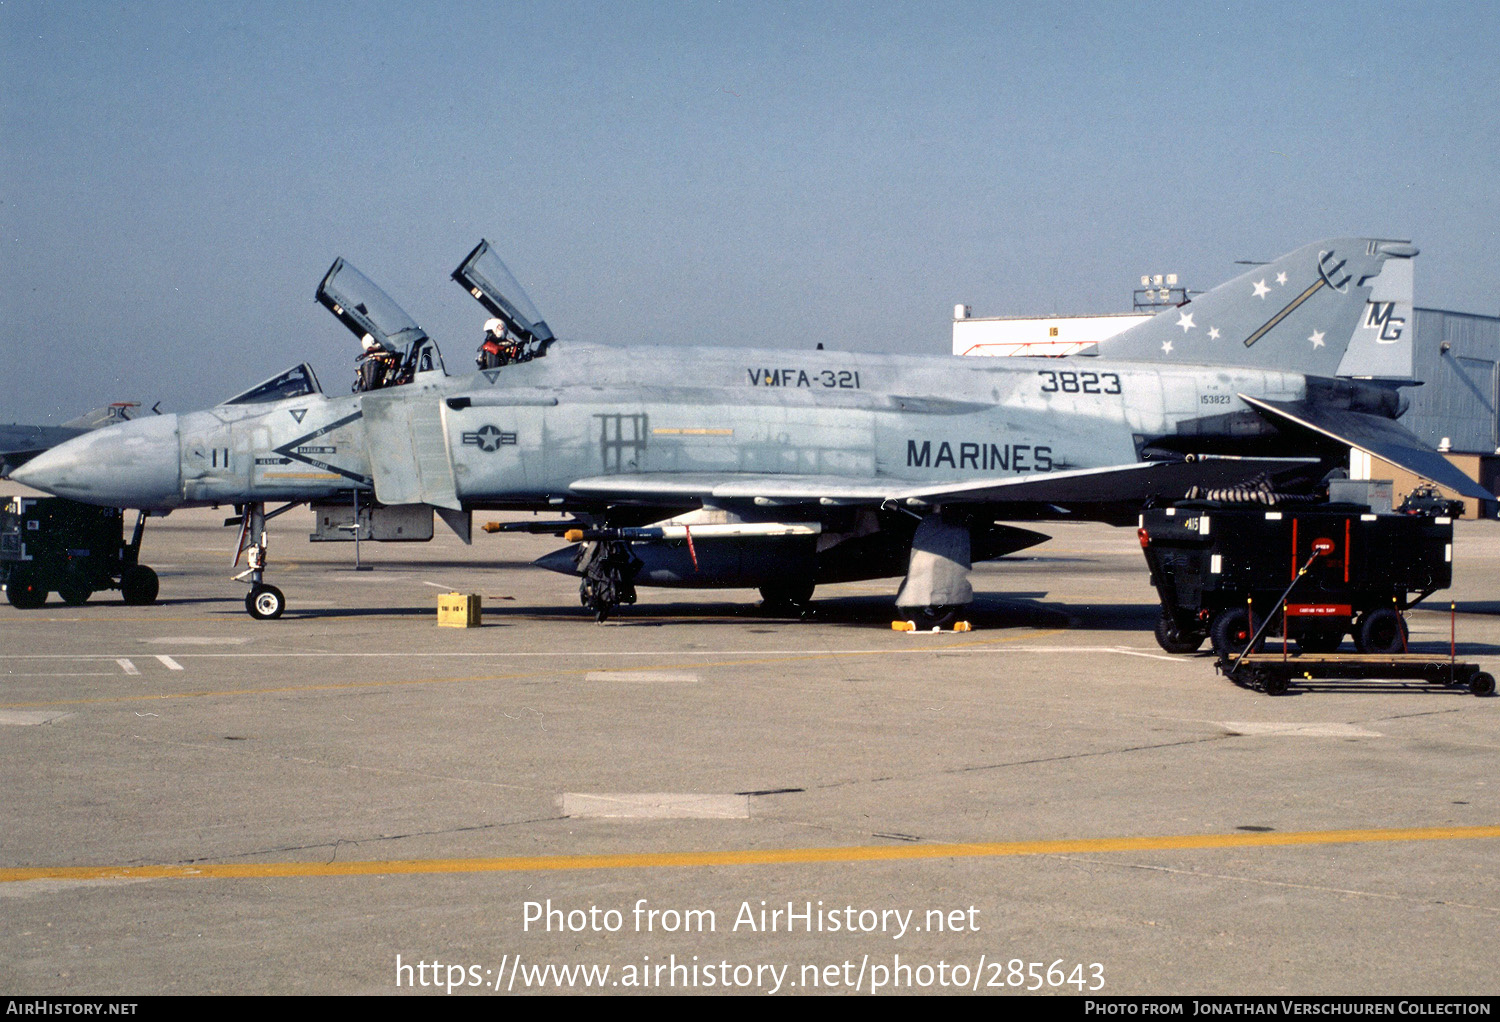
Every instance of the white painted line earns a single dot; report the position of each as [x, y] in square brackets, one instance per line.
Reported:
[670, 677]
[127, 666]
[71, 674]
[199, 640]
[25, 718]
[170, 664]
[656, 806]
[1313, 730]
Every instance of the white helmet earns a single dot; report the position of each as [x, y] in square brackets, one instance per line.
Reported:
[495, 326]
[367, 342]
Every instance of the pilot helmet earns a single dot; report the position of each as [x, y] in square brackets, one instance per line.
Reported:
[495, 326]
[367, 342]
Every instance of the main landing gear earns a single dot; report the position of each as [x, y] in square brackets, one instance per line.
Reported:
[264, 602]
[609, 570]
[787, 599]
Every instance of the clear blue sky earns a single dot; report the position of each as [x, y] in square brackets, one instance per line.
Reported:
[177, 177]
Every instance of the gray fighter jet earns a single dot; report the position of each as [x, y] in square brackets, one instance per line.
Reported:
[19, 444]
[784, 470]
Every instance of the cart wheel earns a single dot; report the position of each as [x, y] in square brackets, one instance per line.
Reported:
[74, 589]
[265, 603]
[1273, 684]
[139, 585]
[1320, 640]
[1380, 631]
[1231, 631]
[1482, 684]
[1172, 639]
[24, 590]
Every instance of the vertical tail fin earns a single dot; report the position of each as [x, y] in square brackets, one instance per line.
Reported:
[1341, 306]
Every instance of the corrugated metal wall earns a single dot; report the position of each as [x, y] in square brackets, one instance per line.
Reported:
[1460, 398]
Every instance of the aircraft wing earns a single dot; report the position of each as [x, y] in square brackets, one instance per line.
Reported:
[1136, 482]
[1381, 437]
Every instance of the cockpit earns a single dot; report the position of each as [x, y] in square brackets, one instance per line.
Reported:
[395, 349]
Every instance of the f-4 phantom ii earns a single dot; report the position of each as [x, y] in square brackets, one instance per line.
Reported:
[785, 470]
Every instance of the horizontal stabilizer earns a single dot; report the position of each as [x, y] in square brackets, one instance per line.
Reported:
[1383, 438]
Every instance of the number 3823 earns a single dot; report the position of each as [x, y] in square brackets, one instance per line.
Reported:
[1055, 382]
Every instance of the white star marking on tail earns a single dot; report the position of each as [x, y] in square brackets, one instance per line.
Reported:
[1260, 288]
[1185, 320]
[1316, 338]
[1213, 333]
[1281, 278]
[1166, 346]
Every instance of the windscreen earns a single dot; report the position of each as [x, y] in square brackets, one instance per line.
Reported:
[295, 382]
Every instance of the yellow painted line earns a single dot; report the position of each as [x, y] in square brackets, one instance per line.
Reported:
[745, 857]
[518, 676]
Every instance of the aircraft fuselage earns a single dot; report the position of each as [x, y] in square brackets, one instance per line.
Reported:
[522, 434]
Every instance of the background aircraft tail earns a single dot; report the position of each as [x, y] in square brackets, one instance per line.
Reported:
[1340, 307]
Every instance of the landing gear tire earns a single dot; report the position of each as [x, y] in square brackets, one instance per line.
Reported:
[608, 579]
[139, 585]
[928, 618]
[790, 598]
[24, 590]
[265, 603]
[1231, 631]
[1482, 684]
[597, 597]
[1170, 638]
[602, 595]
[74, 589]
[1380, 631]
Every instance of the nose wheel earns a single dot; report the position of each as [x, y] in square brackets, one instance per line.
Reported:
[265, 603]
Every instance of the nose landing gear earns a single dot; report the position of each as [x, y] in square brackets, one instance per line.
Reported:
[264, 602]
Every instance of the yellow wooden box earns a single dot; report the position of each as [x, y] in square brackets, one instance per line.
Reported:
[458, 610]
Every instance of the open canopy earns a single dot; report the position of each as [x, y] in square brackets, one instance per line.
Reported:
[365, 309]
[488, 279]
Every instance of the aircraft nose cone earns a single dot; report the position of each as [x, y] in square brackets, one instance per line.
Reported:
[133, 464]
